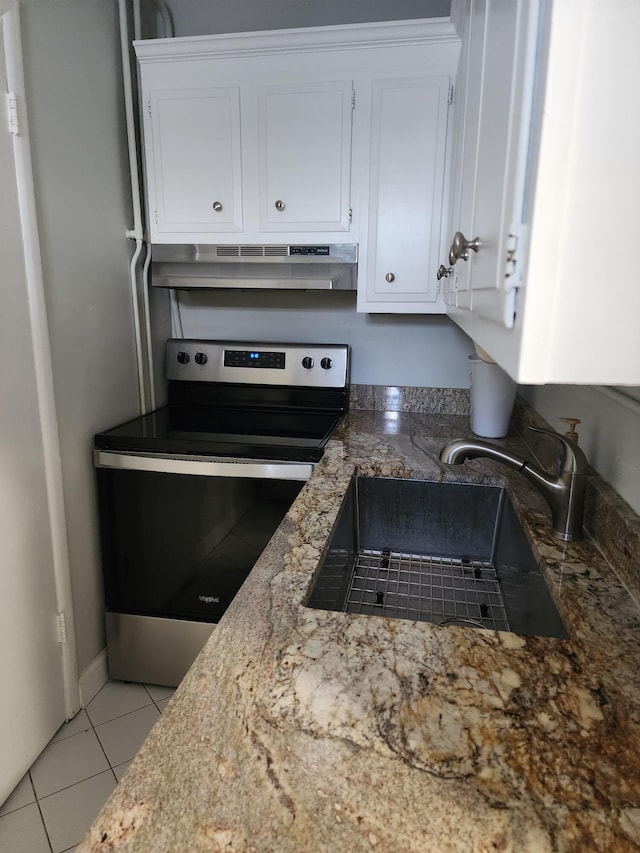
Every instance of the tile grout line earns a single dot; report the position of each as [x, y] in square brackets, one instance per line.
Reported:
[104, 752]
[111, 768]
[159, 700]
[38, 799]
[66, 787]
[117, 717]
[93, 776]
[44, 824]
[35, 802]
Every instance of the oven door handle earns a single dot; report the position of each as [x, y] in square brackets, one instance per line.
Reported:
[204, 467]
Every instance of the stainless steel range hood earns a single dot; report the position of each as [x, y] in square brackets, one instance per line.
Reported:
[273, 267]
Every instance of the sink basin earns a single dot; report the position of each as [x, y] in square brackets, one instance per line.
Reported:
[445, 553]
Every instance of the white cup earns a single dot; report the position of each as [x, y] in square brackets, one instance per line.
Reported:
[492, 396]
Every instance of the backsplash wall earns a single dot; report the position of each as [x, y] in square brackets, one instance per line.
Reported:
[608, 432]
[387, 349]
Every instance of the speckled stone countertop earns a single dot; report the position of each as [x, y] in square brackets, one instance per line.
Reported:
[306, 730]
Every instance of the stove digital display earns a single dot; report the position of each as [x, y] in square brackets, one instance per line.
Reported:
[254, 358]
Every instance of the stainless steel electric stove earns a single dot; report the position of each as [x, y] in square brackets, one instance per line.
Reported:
[189, 495]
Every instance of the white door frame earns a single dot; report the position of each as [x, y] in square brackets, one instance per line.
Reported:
[9, 13]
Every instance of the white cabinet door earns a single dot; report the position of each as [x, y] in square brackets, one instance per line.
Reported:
[408, 146]
[305, 156]
[493, 106]
[548, 190]
[193, 162]
[467, 103]
[510, 30]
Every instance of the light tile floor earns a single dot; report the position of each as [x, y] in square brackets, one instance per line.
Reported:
[57, 800]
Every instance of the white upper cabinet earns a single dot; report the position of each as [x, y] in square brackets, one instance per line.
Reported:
[319, 135]
[248, 160]
[494, 99]
[544, 188]
[408, 148]
[237, 149]
[305, 156]
[194, 173]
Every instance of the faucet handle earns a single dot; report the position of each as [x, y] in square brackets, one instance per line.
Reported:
[574, 462]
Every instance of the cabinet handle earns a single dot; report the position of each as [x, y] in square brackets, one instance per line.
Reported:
[390, 277]
[279, 205]
[443, 272]
[460, 247]
[217, 206]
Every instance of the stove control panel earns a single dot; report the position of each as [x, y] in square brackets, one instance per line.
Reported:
[264, 359]
[307, 365]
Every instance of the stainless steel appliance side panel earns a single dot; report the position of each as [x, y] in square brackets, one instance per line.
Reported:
[204, 466]
[151, 649]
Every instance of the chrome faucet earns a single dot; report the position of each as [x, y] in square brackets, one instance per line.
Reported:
[564, 493]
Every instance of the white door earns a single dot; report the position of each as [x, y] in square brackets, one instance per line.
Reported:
[500, 50]
[32, 704]
[408, 148]
[192, 140]
[305, 156]
[510, 32]
[468, 100]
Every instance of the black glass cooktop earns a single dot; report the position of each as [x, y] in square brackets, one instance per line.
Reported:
[243, 433]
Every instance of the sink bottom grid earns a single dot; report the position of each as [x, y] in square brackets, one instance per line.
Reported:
[428, 589]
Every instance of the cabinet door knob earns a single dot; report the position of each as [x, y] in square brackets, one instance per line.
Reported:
[217, 206]
[460, 247]
[279, 205]
[390, 277]
[443, 272]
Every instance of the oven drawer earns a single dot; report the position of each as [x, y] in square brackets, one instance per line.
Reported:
[153, 650]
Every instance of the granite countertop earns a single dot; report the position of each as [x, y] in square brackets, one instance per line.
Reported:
[308, 730]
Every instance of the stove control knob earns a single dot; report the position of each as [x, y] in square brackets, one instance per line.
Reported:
[184, 357]
[201, 358]
[326, 363]
[307, 362]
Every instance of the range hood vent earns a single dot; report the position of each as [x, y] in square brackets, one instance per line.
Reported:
[273, 267]
[251, 251]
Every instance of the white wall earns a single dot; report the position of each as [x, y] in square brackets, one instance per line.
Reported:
[81, 174]
[197, 17]
[608, 433]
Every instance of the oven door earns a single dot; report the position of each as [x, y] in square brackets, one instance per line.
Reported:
[179, 538]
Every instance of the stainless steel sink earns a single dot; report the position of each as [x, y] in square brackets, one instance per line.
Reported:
[445, 553]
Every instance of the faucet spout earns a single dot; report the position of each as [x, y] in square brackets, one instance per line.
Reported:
[564, 493]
